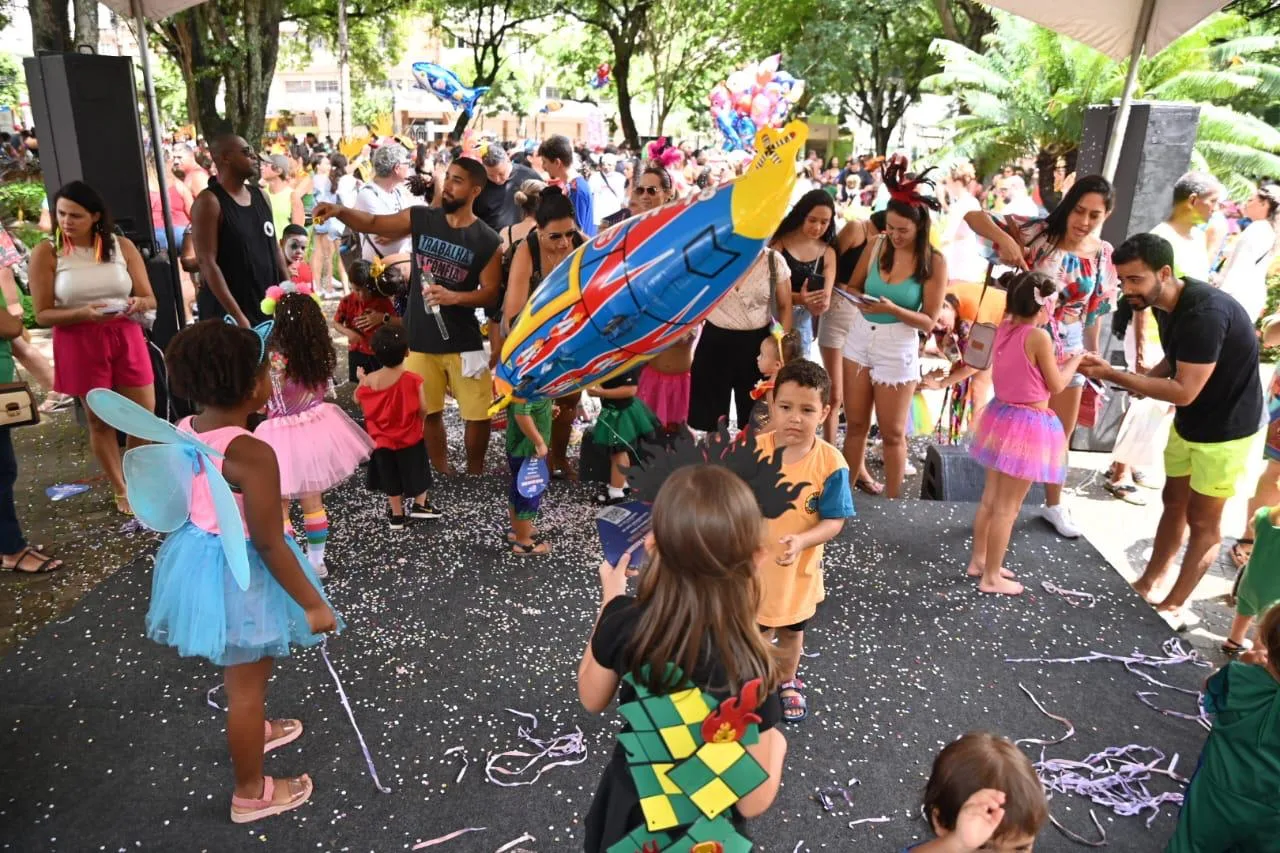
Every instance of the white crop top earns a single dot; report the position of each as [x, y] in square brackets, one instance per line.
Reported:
[80, 280]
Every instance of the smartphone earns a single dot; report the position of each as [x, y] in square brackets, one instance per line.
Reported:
[112, 309]
[858, 298]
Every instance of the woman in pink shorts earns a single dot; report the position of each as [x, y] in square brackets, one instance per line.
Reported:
[89, 284]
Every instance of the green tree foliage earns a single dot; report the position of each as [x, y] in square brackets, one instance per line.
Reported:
[623, 22]
[864, 58]
[485, 27]
[688, 51]
[1027, 95]
[13, 87]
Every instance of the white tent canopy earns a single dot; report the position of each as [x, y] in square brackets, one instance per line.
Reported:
[1118, 28]
[152, 10]
[1110, 25]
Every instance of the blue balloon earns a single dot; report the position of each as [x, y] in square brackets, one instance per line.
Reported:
[732, 142]
[446, 85]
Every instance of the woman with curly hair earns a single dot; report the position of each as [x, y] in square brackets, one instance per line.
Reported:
[316, 444]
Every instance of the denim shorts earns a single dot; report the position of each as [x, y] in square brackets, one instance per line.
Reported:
[1071, 339]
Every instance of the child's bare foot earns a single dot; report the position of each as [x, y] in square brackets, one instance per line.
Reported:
[976, 571]
[1000, 586]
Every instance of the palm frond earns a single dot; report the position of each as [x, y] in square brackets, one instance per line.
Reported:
[1223, 124]
[1224, 157]
[1224, 53]
[1202, 86]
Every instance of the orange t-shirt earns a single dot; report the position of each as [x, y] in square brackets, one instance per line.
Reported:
[790, 594]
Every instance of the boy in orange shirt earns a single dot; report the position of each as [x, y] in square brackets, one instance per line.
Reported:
[791, 582]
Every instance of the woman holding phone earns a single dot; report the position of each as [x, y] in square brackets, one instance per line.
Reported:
[89, 284]
[898, 289]
[1065, 246]
[805, 240]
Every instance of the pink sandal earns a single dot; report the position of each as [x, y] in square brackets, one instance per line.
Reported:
[266, 807]
[289, 736]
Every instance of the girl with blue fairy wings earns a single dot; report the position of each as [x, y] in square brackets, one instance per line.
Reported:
[227, 585]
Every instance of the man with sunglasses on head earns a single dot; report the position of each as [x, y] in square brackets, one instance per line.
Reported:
[456, 268]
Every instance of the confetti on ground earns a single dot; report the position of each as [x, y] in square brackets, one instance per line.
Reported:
[446, 629]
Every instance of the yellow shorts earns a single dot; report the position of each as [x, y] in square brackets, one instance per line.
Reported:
[443, 371]
[1214, 467]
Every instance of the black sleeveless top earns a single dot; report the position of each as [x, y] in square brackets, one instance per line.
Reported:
[847, 261]
[535, 255]
[801, 270]
[247, 255]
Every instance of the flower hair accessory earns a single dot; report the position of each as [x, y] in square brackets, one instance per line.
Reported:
[660, 151]
[283, 289]
[777, 333]
[1041, 298]
[907, 190]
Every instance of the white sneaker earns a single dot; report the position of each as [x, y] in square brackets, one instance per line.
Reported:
[910, 470]
[322, 571]
[1060, 517]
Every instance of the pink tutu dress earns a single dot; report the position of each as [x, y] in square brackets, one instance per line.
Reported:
[667, 394]
[1014, 436]
[317, 446]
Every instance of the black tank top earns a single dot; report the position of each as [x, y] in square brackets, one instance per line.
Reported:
[535, 255]
[801, 270]
[247, 255]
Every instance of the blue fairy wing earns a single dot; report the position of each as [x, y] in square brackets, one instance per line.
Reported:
[159, 478]
[128, 417]
[231, 524]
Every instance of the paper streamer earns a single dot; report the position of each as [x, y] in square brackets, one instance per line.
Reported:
[1073, 597]
[863, 820]
[564, 750]
[1200, 719]
[208, 697]
[515, 842]
[1071, 729]
[465, 763]
[442, 839]
[364, 748]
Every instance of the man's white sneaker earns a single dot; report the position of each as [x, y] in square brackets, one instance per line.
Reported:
[1060, 517]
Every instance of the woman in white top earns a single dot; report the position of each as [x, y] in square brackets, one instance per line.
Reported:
[332, 184]
[1245, 273]
[89, 284]
[960, 245]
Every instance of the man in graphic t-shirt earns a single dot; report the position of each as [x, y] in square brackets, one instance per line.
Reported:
[1210, 374]
[456, 269]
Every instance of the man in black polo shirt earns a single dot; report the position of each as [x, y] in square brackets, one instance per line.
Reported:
[456, 269]
[1210, 374]
[496, 205]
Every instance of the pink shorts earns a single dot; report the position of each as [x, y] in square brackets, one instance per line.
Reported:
[100, 355]
[667, 394]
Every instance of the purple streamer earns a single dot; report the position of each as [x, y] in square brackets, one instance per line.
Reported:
[1073, 597]
[566, 750]
[208, 697]
[342, 696]
[1201, 718]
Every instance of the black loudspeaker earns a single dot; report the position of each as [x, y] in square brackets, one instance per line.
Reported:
[86, 116]
[951, 474]
[1156, 152]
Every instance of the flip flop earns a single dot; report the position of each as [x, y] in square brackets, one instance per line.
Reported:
[533, 549]
[265, 806]
[1126, 493]
[869, 486]
[289, 736]
[46, 564]
[1231, 647]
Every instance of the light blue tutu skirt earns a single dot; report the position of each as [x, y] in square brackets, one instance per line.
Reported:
[197, 607]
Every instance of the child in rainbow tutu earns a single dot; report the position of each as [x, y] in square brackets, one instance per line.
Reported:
[315, 442]
[1018, 439]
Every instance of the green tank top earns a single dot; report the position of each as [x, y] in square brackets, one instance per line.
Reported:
[281, 208]
[907, 294]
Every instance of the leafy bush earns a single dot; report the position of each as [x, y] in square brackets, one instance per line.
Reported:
[28, 233]
[24, 196]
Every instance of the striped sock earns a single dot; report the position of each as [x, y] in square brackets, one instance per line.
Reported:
[317, 526]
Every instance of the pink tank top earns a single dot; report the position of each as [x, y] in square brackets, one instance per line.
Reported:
[1016, 378]
[202, 512]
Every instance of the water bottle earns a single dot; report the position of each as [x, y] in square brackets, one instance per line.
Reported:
[428, 280]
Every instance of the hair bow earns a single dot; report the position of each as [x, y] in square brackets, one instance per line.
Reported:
[283, 289]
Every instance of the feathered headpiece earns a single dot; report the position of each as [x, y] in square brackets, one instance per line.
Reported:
[663, 153]
[906, 189]
[740, 455]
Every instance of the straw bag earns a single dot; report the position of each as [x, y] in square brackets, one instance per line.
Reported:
[17, 405]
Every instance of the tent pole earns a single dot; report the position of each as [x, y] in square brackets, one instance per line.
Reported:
[1121, 124]
[157, 151]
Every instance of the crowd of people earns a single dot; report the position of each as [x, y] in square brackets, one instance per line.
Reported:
[434, 252]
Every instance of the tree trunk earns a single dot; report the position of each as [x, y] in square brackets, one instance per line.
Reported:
[1045, 163]
[622, 79]
[86, 15]
[50, 29]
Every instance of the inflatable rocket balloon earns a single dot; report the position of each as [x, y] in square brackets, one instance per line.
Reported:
[446, 85]
[638, 287]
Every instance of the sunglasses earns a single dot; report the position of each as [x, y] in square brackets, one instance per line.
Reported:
[648, 190]
[559, 235]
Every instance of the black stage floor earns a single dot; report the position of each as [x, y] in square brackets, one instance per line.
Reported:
[109, 744]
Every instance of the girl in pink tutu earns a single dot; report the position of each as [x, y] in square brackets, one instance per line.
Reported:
[1019, 440]
[664, 383]
[316, 444]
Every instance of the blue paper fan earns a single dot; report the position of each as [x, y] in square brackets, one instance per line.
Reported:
[159, 477]
[533, 476]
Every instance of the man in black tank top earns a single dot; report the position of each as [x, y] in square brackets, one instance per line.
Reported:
[235, 238]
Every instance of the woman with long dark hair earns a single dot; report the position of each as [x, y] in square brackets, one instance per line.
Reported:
[1065, 246]
[805, 239]
[331, 181]
[90, 285]
[555, 236]
[900, 285]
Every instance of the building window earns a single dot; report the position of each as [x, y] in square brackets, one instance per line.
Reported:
[326, 85]
[551, 93]
[297, 87]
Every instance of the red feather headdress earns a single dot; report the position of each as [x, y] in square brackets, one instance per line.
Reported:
[906, 189]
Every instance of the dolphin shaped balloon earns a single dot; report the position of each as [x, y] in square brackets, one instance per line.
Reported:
[446, 85]
[640, 286]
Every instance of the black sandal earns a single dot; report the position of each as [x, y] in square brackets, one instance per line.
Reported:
[605, 499]
[531, 550]
[1238, 556]
[1232, 648]
[46, 565]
